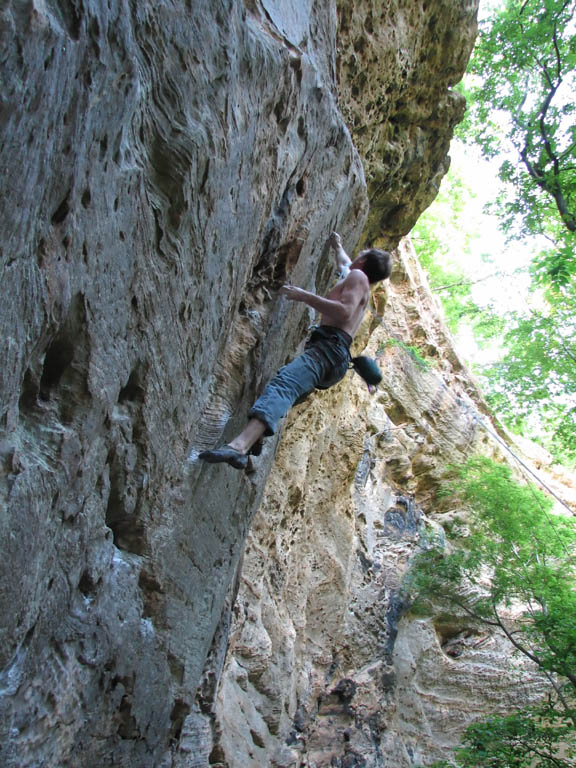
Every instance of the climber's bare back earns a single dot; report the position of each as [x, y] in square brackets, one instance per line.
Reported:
[353, 292]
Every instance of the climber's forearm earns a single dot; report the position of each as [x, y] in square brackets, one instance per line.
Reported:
[337, 310]
[342, 259]
[325, 306]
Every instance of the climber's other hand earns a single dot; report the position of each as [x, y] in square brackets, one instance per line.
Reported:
[293, 293]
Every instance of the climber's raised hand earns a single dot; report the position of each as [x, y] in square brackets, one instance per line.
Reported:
[335, 241]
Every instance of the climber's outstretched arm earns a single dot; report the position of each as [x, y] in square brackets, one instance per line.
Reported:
[342, 304]
[342, 259]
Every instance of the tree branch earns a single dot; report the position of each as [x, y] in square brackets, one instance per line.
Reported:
[548, 756]
[469, 282]
[561, 697]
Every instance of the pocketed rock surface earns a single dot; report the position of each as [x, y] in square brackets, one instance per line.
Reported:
[165, 168]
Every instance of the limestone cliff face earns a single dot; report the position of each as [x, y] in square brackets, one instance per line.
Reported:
[166, 166]
[398, 62]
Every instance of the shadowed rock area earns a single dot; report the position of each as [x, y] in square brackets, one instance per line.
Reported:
[166, 167]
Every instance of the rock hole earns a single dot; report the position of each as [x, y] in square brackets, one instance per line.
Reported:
[180, 712]
[85, 252]
[257, 739]
[116, 203]
[68, 518]
[176, 668]
[48, 60]
[103, 146]
[94, 42]
[158, 231]
[41, 252]
[86, 585]
[28, 636]
[456, 636]
[62, 210]
[87, 79]
[86, 197]
[122, 236]
[152, 597]
[127, 530]
[296, 65]
[218, 756]
[63, 378]
[117, 154]
[279, 114]
[57, 360]
[301, 187]
[128, 728]
[133, 391]
[126, 682]
[29, 392]
[68, 15]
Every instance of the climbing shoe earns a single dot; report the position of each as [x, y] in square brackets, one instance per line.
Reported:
[226, 455]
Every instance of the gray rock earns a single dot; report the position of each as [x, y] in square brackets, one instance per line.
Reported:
[166, 167]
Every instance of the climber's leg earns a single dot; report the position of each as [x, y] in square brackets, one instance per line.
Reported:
[322, 365]
[291, 382]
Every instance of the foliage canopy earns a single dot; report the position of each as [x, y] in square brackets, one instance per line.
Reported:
[530, 597]
[522, 114]
[513, 565]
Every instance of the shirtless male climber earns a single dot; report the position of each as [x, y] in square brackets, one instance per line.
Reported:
[326, 357]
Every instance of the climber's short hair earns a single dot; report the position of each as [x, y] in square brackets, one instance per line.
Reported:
[378, 264]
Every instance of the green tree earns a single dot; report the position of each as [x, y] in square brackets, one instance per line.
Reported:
[535, 380]
[531, 558]
[534, 738]
[521, 112]
[444, 229]
[521, 83]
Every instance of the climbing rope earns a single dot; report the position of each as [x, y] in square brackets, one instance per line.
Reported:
[493, 434]
[524, 466]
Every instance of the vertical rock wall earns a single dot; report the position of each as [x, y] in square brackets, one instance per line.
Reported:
[166, 166]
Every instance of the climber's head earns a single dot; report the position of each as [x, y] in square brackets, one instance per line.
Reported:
[376, 264]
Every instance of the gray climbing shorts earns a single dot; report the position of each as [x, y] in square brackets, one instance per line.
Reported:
[323, 364]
